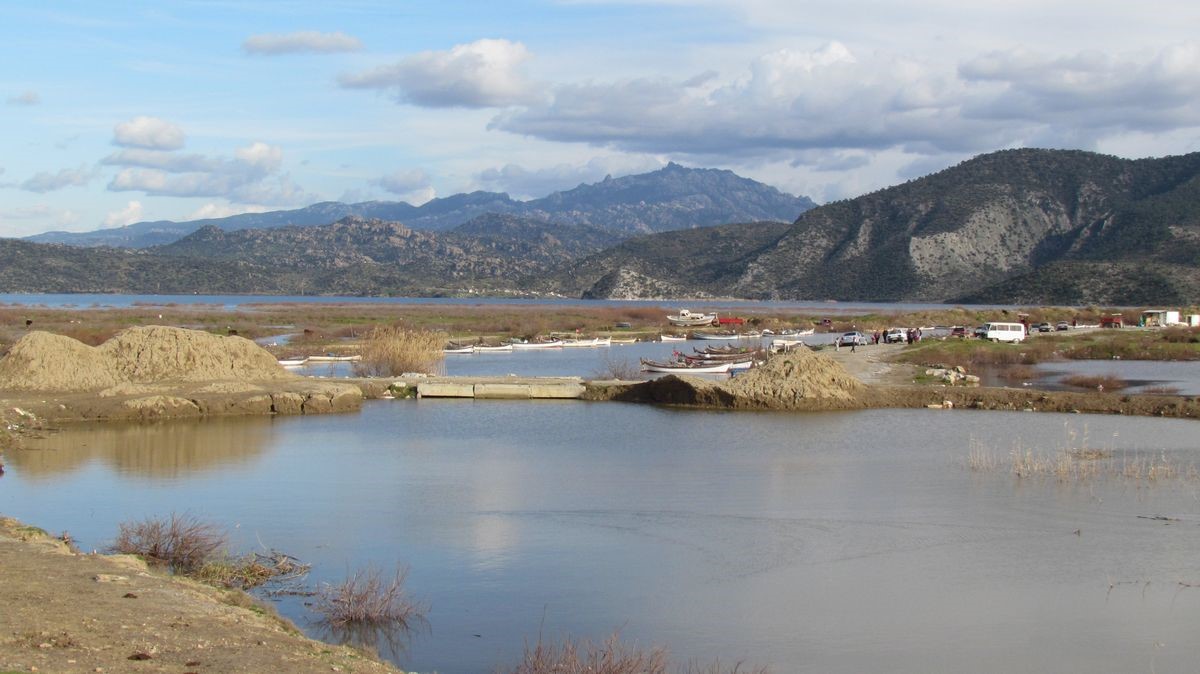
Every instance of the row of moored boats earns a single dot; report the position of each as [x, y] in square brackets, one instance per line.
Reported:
[710, 360]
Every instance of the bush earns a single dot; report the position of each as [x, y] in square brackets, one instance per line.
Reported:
[618, 368]
[388, 351]
[367, 598]
[180, 542]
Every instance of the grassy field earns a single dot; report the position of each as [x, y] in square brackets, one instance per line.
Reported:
[340, 327]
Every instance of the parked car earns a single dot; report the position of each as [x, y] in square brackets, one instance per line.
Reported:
[895, 335]
[1044, 327]
[981, 331]
[853, 338]
[1062, 325]
[959, 331]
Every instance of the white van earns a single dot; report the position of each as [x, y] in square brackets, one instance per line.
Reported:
[1004, 332]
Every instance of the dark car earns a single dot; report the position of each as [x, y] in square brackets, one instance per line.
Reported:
[1044, 327]
[958, 331]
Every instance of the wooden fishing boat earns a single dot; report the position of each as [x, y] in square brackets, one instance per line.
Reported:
[293, 362]
[718, 336]
[688, 319]
[453, 347]
[549, 344]
[493, 348]
[684, 367]
[334, 359]
[595, 341]
[672, 338]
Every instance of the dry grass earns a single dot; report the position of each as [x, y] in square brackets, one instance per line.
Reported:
[250, 571]
[180, 542]
[1103, 382]
[388, 351]
[610, 657]
[1078, 464]
[367, 597]
[618, 368]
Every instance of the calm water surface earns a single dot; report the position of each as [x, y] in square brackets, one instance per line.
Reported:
[841, 542]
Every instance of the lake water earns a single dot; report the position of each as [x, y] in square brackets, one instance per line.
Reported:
[836, 542]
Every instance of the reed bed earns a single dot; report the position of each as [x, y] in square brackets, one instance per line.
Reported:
[1103, 382]
[389, 351]
[181, 542]
[367, 597]
[1078, 464]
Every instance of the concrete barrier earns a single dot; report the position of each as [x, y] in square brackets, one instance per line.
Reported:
[504, 391]
[434, 389]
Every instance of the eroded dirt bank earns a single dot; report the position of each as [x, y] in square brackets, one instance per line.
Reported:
[69, 612]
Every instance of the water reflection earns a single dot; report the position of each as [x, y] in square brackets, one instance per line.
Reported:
[164, 450]
[839, 542]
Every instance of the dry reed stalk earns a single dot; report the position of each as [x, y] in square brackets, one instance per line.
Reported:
[388, 351]
[180, 542]
[367, 598]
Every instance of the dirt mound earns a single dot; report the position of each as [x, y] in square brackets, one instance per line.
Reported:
[798, 380]
[42, 361]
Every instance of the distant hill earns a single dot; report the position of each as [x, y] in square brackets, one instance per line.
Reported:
[1018, 226]
[671, 198]
[1012, 226]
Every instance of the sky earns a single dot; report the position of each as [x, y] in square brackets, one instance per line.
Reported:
[114, 113]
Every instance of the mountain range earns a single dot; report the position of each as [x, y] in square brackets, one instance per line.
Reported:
[1014, 227]
[670, 198]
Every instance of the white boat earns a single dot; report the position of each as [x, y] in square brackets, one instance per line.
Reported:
[687, 318]
[672, 338]
[683, 368]
[334, 359]
[597, 341]
[293, 362]
[484, 348]
[552, 344]
[783, 343]
[458, 348]
[623, 340]
[728, 336]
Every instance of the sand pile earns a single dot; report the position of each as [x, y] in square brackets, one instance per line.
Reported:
[798, 380]
[42, 361]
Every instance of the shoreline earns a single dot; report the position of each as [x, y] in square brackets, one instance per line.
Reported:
[70, 611]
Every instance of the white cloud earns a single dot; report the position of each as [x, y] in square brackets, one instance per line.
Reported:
[481, 74]
[126, 216]
[308, 41]
[148, 132]
[403, 182]
[832, 100]
[49, 182]
[250, 176]
[25, 98]
[211, 211]
[260, 156]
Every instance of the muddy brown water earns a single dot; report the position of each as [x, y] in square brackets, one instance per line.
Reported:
[833, 542]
